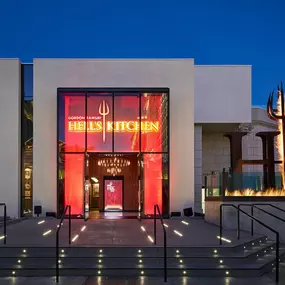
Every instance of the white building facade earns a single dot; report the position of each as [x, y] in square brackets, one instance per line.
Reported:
[204, 103]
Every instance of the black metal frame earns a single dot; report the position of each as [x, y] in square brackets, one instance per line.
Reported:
[156, 207]
[238, 231]
[5, 221]
[120, 92]
[68, 207]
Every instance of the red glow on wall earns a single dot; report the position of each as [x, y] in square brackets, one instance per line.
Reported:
[73, 184]
[152, 182]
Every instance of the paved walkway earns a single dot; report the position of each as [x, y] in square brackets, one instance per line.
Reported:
[180, 232]
[138, 281]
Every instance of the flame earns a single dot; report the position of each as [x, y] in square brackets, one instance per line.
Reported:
[251, 192]
[280, 142]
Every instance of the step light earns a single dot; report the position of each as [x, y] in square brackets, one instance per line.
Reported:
[59, 261]
[178, 233]
[62, 251]
[185, 223]
[100, 261]
[47, 232]
[177, 251]
[181, 261]
[75, 238]
[224, 239]
[2, 237]
[150, 238]
[140, 261]
[83, 228]
[165, 225]
[142, 228]
[19, 261]
[184, 272]
[142, 272]
[221, 261]
[139, 251]
[13, 272]
[100, 250]
[253, 243]
[41, 222]
[99, 272]
[24, 250]
[227, 272]
[244, 247]
[215, 251]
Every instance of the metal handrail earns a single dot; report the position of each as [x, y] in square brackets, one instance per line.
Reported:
[156, 207]
[262, 210]
[57, 237]
[5, 221]
[238, 232]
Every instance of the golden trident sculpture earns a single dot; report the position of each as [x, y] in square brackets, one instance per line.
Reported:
[104, 111]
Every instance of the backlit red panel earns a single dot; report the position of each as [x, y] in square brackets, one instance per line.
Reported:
[113, 195]
[73, 182]
[152, 182]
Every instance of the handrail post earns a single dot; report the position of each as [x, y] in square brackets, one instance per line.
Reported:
[57, 259]
[238, 224]
[252, 220]
[154, 229]
[221, 223]
[277, 257]
[165, 258]
[5, 224]
[69, 226]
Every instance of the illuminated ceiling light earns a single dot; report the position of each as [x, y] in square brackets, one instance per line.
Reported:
[83, 228]
[94, 179]
[185, 223]
[165, 225]
[150, 238]
[142, 228]
[178, 233]
[47, 232]
[224, 239]
[41, 222]
[75, 238]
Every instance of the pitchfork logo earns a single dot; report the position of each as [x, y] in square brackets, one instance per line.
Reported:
[104, 111]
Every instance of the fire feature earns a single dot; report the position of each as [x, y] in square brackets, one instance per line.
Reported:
[250, 192]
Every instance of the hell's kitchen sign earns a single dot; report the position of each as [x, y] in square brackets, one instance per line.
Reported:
[100, 124]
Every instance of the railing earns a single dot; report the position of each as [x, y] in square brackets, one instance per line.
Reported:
[238, 231]
[68, 207]
[5, 221]
[156, 208]
[262, 210]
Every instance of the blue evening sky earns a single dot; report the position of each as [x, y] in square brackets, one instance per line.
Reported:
[210, 31]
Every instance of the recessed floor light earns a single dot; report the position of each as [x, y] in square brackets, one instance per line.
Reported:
[47, 232]
[224, 239]
[150, 238]
[178, 233]
[75, 238]
[83, 228]
[185, 223]
[142, 228]
[41, 222]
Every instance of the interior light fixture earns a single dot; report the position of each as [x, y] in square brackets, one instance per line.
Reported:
[94, 179]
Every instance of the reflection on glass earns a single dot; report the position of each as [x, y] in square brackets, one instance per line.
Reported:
[154, 121]
[99, 123]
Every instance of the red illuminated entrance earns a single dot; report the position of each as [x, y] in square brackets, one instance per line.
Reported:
[120, 134]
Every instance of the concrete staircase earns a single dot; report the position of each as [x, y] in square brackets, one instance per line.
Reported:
[253, 258]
